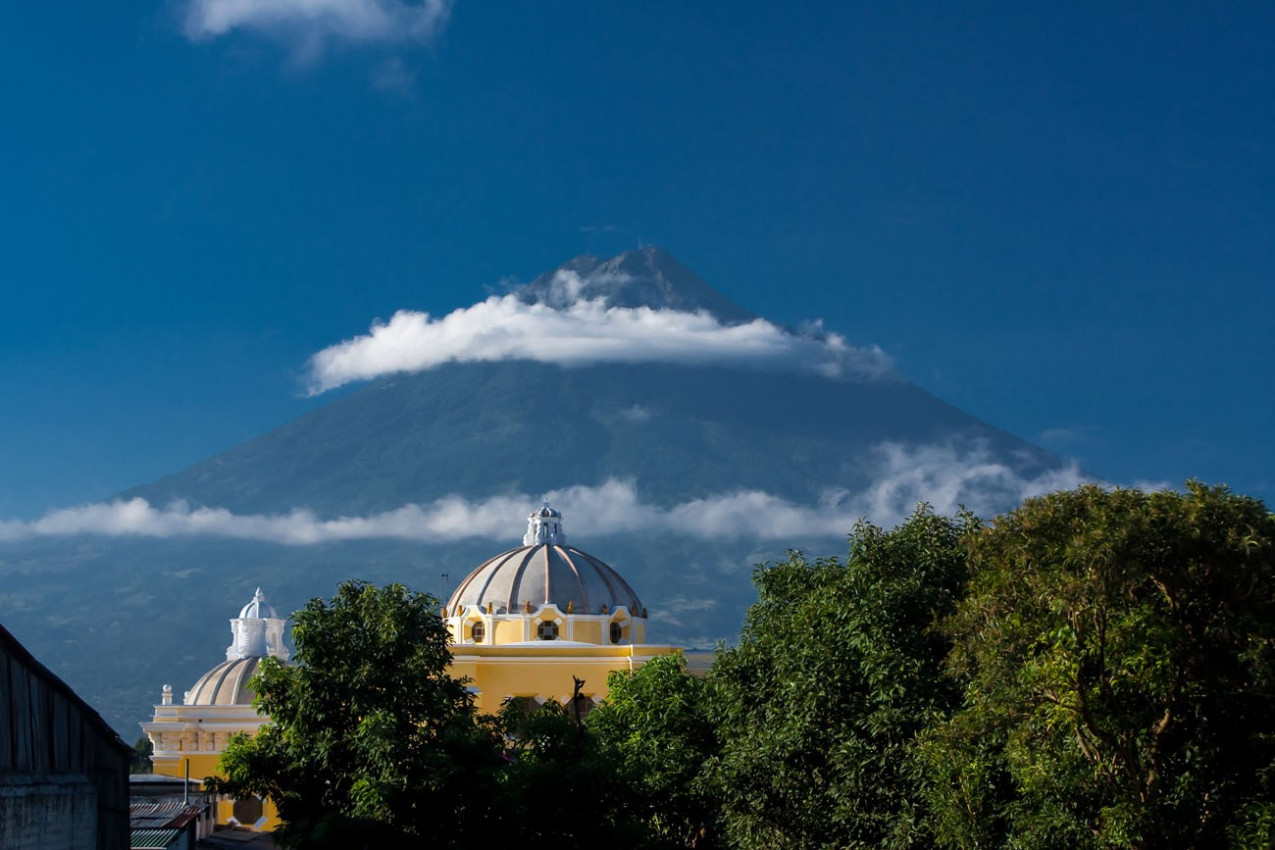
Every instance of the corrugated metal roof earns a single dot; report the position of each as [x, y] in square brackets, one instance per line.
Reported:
[161, 815]
[152, 838]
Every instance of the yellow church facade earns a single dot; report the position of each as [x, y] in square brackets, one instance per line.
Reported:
[525, 625]
[530, 621]
[189, 737]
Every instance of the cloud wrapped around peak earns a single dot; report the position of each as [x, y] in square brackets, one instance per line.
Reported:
[578, 332]
[945, 476]
[312, 22]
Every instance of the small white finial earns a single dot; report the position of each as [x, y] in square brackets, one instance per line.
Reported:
[167, 695]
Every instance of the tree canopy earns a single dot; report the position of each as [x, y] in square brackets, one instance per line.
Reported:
[1116, 648]
[1095, 669]
[837, 669]
[369, 740]
[654, 732]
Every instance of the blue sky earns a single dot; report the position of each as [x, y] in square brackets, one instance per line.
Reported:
[1058, 219]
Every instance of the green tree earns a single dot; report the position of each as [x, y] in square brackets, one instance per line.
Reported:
[370, 741]
[837, 670]
[559, 787]
[654, 733]
[1117, 648]
[140, 762]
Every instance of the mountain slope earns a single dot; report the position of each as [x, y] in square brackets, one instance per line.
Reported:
[681, 431]
[489, 428]
[118, 617]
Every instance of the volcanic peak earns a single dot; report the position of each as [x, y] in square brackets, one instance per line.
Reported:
[647, 277]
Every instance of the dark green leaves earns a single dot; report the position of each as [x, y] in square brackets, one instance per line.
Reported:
[838, 668]
[370, 738]
[1116, 647]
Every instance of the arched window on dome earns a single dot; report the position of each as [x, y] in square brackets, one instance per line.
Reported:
[548, 630]
[617, 632]
[477, 632]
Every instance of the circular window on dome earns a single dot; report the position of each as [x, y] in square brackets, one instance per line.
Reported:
[548, 630]
[616, 633]
[476, 632]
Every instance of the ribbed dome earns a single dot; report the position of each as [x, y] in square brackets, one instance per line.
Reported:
[544, 573]
[225, 684]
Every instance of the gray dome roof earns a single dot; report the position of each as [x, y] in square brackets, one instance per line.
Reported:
[225, 684]
[546, 573]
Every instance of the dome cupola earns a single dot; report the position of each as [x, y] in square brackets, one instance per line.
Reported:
[544, 526]
[545, 590]
[256, 633]
[545, 571]
[258, 607]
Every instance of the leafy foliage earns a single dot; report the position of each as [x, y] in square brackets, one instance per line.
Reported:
[369, 740]
[655, 733]
[837, 670]
[560, 786]
[1117, 648]
[140, 761]
[1094, 670]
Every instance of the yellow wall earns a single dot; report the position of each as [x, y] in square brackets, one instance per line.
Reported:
[508, 632]
[203, 765]
[588, 632]
[509, 663]
[544, 670]
[198, 734]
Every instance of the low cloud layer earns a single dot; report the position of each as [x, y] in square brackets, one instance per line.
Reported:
[309, 24]
[944, 476]
[577, 333]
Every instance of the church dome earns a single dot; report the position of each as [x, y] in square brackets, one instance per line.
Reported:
[225, 684]
[256, 633]
[545, 570]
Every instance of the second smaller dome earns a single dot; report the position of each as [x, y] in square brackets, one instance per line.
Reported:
[225, 684]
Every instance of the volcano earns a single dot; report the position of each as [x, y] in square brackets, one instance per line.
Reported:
[688, 442]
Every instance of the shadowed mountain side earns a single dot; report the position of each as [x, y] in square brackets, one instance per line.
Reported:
[481, 429]
[120, 618]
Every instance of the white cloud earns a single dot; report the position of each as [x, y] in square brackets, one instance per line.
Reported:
[948, 477]
[637, 413]
[445, 519]
[944, 476]
[570, 331]
[311, 23]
